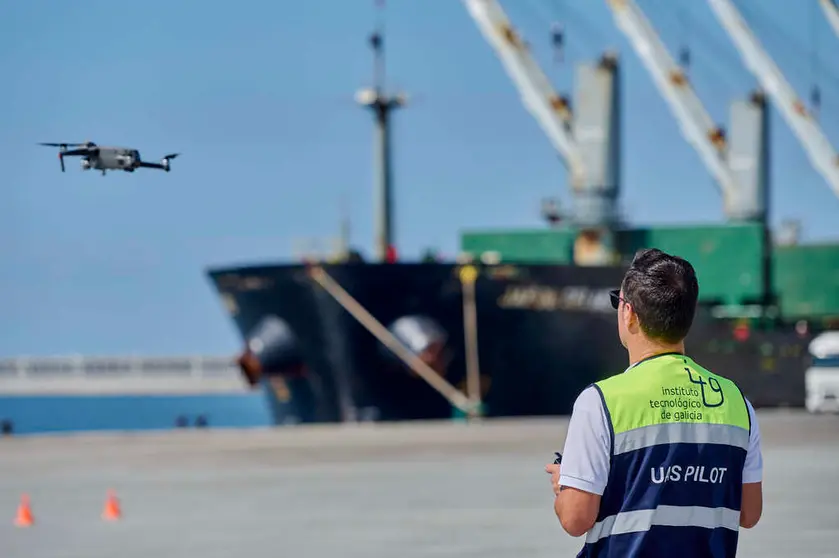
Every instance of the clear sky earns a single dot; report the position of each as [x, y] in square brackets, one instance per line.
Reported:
[258, 97]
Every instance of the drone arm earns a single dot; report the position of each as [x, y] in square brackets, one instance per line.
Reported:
[163, 164]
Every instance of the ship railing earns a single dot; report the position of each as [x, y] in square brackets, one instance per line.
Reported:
[198, 366]
[115, 374]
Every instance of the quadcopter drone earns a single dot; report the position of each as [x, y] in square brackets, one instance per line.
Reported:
[103, 158]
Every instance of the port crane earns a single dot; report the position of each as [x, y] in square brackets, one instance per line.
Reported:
[695, 123]
[816, 145]
[550, 110]
[831, 12]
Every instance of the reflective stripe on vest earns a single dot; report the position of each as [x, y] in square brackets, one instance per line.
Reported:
[698, 433]
[679, 437]
[673, 516]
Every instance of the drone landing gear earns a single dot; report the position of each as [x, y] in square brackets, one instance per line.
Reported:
[103, 172]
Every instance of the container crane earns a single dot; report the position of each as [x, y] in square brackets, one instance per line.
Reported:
[696, 125]
[550, 110]
[818, 148]
[831, 11]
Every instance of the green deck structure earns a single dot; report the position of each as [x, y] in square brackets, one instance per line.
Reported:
[728, 260]
[807, 279]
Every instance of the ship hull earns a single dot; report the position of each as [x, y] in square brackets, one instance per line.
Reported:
[544, 333]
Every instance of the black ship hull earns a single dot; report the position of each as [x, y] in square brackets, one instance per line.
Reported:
[544, 333]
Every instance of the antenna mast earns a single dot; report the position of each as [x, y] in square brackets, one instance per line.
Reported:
[345, 228]
[381, 104]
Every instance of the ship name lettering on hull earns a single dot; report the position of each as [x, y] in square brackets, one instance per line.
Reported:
[540, 297]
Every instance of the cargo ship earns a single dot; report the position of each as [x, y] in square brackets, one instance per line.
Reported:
[544, 332]
[534, 325]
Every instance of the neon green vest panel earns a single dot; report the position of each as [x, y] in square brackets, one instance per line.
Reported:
[672, 389]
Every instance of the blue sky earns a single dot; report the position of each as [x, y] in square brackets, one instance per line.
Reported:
[258, 98]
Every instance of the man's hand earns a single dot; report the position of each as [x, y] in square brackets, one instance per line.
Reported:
[553, 469]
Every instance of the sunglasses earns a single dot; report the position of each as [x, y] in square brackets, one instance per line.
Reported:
[615, 297]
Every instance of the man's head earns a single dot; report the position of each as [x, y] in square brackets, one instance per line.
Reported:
[657, 299]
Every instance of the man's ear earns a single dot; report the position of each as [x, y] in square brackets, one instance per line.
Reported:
[630, 319]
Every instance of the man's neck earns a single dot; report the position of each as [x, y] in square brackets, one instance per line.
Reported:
[649, 350]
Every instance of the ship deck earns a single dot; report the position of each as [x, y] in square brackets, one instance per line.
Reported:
[408, 490]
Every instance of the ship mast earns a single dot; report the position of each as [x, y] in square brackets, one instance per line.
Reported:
[381, 104]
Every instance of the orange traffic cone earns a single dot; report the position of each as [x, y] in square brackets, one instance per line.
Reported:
[111, 511]
[24, 516]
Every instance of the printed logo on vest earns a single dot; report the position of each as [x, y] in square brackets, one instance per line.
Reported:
[680, 403]
[713, 383]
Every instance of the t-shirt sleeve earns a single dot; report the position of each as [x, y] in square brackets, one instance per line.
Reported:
[585, 459]
[753, 467]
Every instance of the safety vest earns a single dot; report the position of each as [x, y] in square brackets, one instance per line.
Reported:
[679, 437]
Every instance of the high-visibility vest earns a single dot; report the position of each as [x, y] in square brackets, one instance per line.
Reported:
[679, 437]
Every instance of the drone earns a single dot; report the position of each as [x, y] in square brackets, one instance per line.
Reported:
[103, 158]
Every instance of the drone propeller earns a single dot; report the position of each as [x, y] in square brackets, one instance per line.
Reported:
[164, 161]
[63, 145]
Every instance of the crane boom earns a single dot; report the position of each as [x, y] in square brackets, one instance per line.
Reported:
[696, 125]
[540, 99]
[831, 11]
[818, 148]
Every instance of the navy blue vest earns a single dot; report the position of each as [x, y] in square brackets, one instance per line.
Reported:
[675, 484]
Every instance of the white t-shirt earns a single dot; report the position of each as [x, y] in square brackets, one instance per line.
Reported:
[585, 459]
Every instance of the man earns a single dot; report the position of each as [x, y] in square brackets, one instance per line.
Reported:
[663, 459]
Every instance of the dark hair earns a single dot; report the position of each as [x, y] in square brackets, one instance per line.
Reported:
[662, 290]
